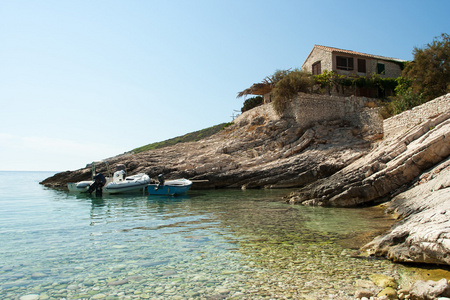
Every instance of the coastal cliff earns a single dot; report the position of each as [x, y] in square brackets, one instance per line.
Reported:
[318, 136]
[333, 150]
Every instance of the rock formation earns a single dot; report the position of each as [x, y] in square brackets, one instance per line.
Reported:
[423, 232]
[261, 149]
[430, 290]
[392, 164]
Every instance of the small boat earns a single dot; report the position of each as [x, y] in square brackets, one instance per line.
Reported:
[169, 187]
[80, 187]
[84, 186]
[122, 184]
[118, 183]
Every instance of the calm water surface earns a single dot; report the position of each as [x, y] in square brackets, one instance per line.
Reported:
[219, 244]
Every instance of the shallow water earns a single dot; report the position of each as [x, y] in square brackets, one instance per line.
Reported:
[218, 244]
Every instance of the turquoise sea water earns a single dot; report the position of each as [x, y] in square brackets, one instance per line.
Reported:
[218, 244]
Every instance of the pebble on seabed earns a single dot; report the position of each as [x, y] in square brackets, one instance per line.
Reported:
[30, 297]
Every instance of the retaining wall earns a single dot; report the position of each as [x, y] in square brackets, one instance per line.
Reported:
[307, 109]
[310, 108]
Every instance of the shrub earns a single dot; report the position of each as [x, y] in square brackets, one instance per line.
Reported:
[227, 125]
[289, 86]
[252, 102]
[329, 80]
[405, 101]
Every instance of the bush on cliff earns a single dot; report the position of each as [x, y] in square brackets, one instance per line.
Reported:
[289, 86]
[252, 102]
[405, 97]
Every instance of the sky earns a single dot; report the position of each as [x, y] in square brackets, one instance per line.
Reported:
[84, 80]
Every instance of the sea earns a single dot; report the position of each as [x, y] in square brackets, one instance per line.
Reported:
[207, 244]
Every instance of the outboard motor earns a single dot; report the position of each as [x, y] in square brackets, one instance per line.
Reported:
[97, 186]
[161, 181]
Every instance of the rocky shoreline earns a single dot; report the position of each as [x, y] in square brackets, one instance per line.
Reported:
[333, 162]
[411, 167]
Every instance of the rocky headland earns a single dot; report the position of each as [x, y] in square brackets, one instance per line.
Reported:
[337, 152]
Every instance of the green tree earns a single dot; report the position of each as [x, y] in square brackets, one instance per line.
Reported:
[429, 72]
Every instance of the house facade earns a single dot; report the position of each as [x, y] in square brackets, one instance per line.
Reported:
[343, 62]
[351, 63]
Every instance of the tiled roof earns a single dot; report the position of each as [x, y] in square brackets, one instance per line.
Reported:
[331, 49]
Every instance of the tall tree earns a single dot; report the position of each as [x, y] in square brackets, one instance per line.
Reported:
[429, 72]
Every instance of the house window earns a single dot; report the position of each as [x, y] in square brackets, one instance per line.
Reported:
[316, 68]
[380, 68]
[344, 63]
[361, 65]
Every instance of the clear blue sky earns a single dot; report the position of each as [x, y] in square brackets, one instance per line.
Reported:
[84, 80]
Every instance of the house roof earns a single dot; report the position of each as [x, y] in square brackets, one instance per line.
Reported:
[332, 49]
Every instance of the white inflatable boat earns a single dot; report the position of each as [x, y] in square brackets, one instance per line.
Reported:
[122, 184]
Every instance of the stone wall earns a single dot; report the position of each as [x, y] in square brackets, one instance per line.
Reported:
[400, 123]
[307, 109]
[310, 108]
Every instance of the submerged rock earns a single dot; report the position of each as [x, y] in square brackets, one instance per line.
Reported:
[30, 297]
[118, 282]
[383, 281]
[388, 293]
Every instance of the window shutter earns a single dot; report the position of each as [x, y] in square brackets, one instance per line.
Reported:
[350, 63]
[361, 65]
[380, 68]
[317, 68]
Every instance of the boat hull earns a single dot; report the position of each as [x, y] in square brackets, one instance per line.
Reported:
[125, 189]
[132, 184]
[170, 188]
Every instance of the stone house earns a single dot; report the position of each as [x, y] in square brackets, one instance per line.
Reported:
[351, 63]
[346, 62]
[343, 62]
